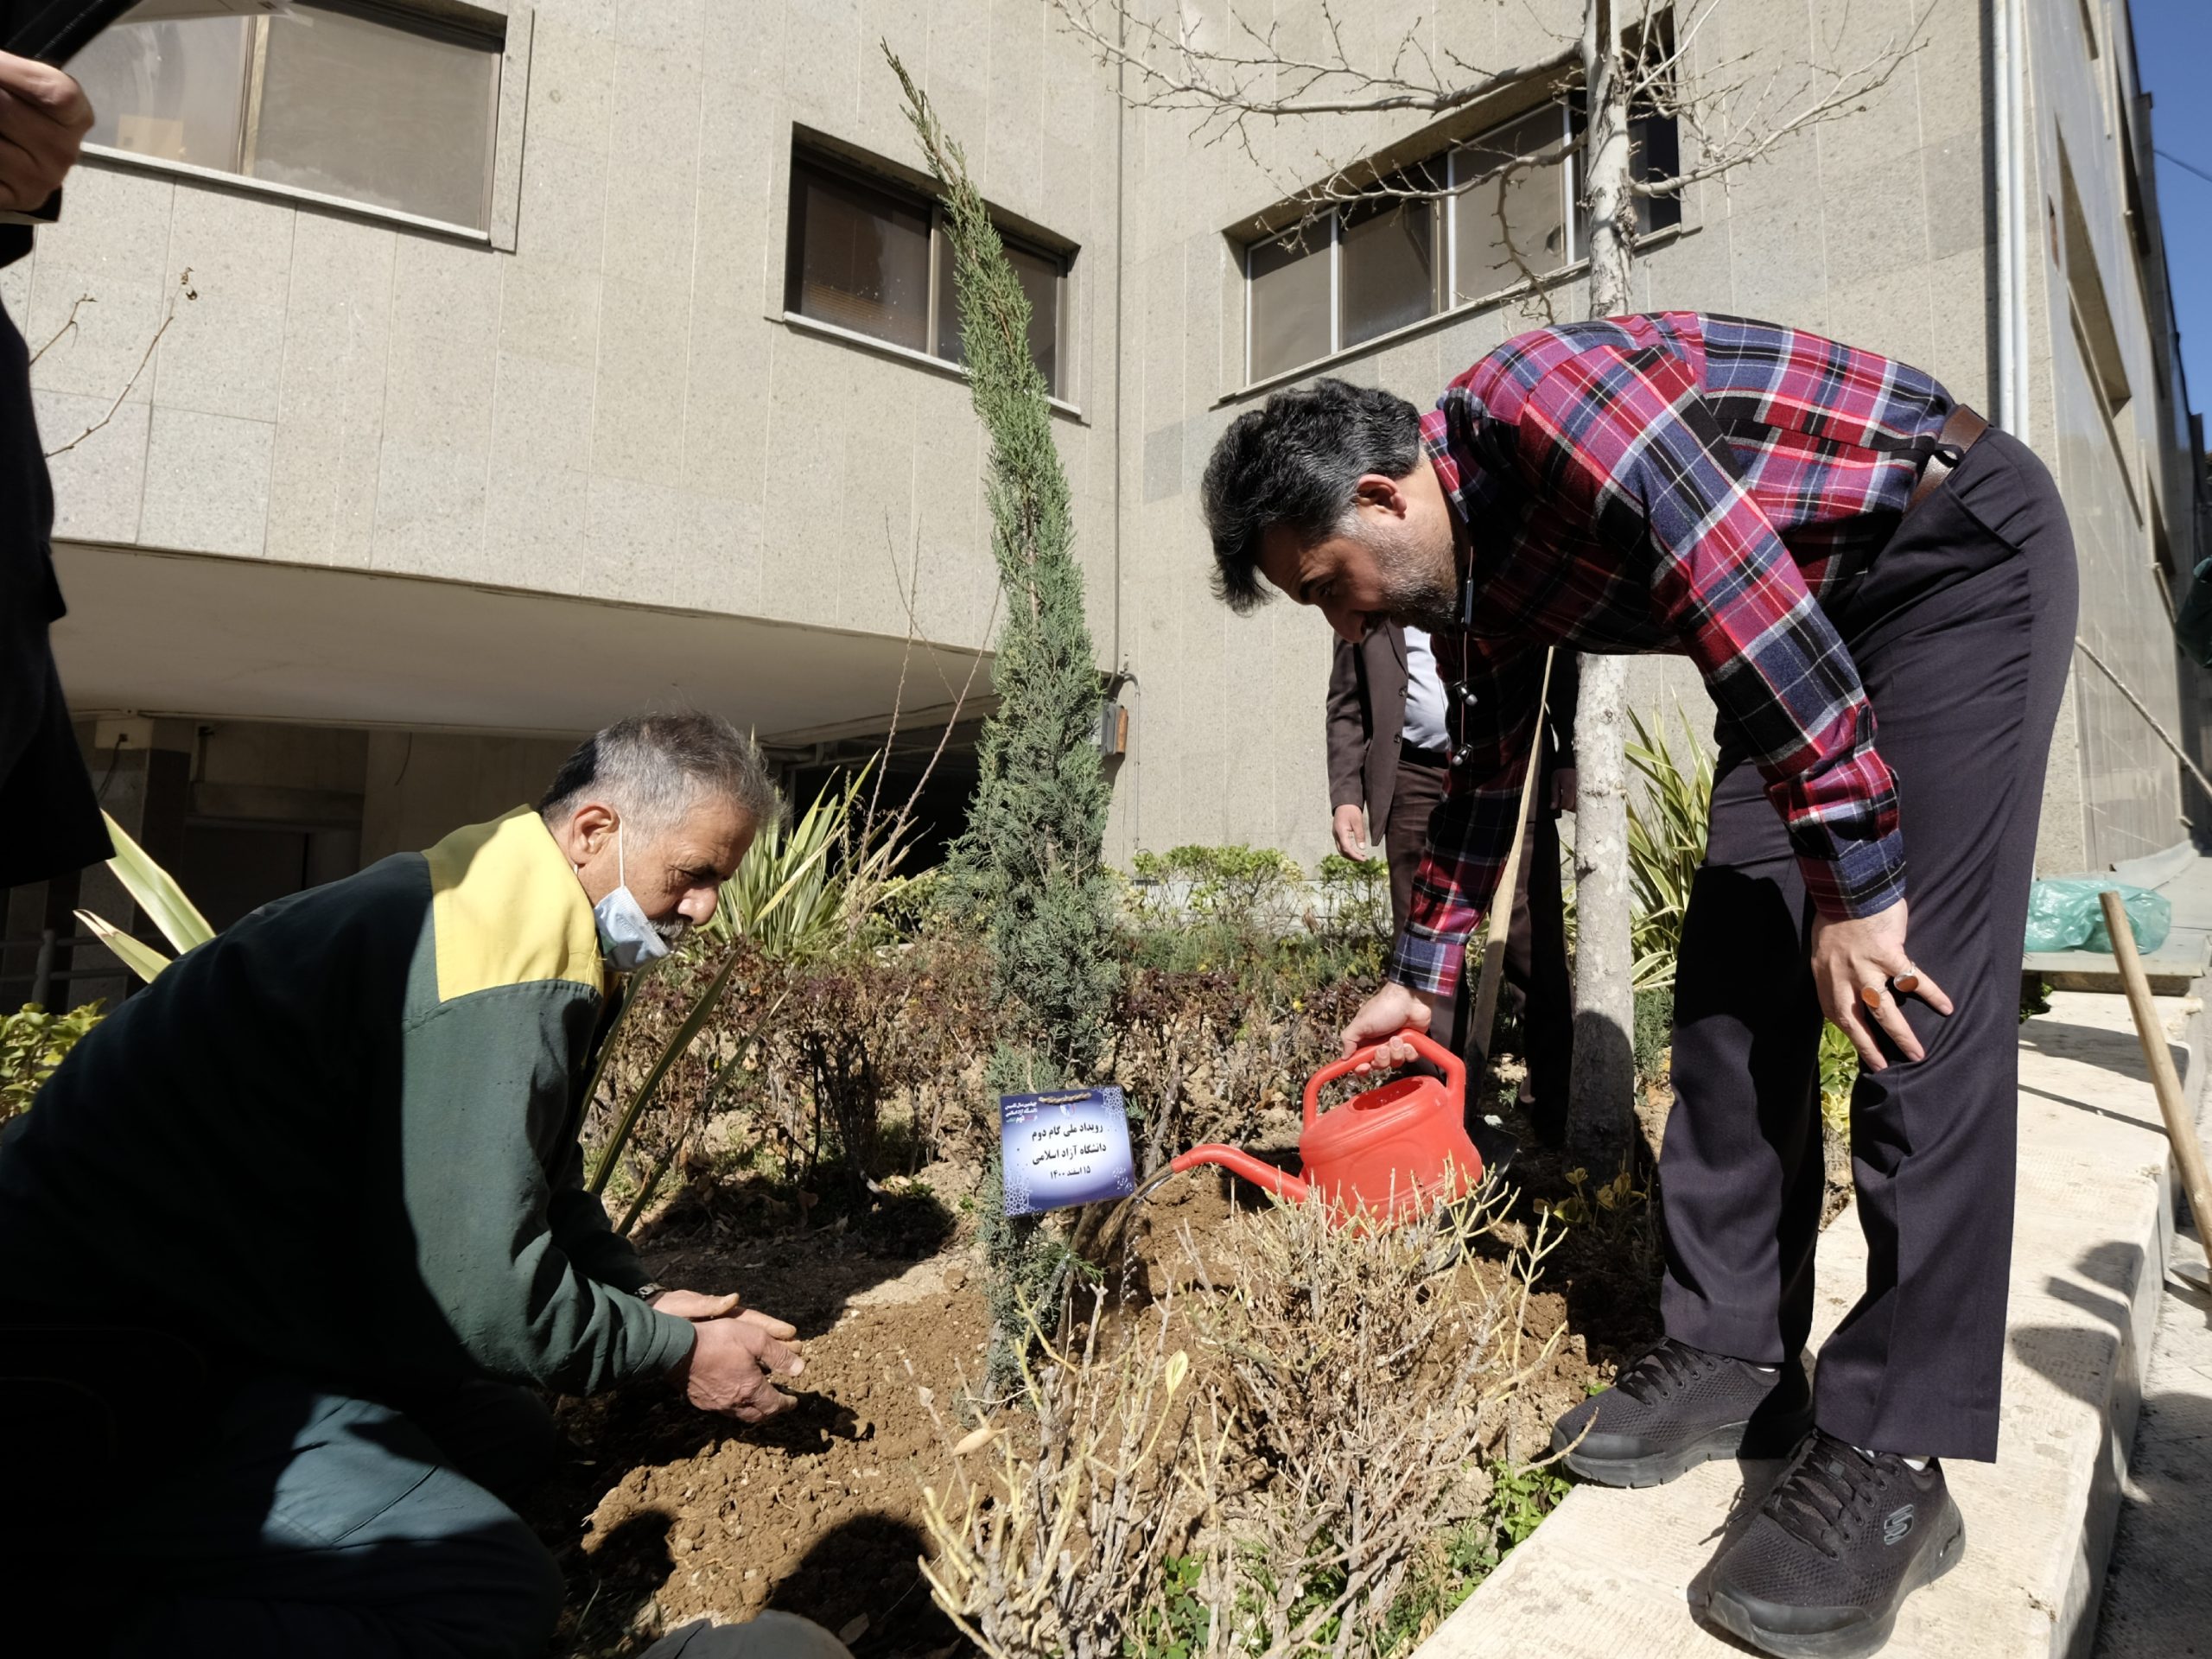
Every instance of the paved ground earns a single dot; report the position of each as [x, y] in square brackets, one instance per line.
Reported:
[1613, 1574]
[2159, 1598]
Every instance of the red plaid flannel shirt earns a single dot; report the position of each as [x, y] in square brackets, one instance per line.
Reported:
[1678, 482]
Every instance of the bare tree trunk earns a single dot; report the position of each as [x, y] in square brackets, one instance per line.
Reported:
[1601, 1092]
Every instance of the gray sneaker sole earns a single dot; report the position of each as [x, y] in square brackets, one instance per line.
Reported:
[1657, 1468]
[1854, 1641]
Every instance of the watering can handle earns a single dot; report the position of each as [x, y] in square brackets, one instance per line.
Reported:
[1455, 1070]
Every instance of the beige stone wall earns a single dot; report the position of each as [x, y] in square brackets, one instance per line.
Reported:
[2116, 473]
[1886, 253]
[1876, 228]
[617, 407]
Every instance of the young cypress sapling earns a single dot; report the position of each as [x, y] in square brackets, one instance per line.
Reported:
[1029, 865]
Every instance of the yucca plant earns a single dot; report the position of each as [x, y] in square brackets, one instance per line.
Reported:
[1665, 844]
[800, 888]
[154, 891]
[804, 886]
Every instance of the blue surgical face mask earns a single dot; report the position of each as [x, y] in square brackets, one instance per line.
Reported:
[628, 938]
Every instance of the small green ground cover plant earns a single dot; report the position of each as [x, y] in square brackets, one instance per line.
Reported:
[33, 1043]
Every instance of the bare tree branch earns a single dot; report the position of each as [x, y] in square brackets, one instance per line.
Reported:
[1697, 108]
[1253, 75]
[81, 300]
[185, 292]
[1176, 70]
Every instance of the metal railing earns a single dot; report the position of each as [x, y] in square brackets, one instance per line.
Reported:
[46, 973]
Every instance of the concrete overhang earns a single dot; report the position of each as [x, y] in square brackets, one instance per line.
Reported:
[226, 638]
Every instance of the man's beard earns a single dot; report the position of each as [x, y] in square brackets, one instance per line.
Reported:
[674, 931]
[1414, 593]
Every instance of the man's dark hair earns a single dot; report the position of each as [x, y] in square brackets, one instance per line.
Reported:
[653, 767]
[1296, 462]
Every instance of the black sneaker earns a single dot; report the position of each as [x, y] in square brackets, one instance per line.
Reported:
[1832, 1553]
[1678, 1406]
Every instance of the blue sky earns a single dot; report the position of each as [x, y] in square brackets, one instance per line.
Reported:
[2173, 45]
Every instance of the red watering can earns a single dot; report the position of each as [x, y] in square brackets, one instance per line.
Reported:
[1389, 1151]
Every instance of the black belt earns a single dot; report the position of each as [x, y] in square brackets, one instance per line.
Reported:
[1411, 754]
[1962, 429]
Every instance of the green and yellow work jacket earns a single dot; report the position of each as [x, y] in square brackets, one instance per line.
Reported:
[342, 1138]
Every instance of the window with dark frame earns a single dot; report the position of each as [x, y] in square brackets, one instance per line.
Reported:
[1479, 218]
[873, 257]
[366, 102]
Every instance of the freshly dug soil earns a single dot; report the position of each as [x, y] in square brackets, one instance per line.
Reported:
[662, 1513]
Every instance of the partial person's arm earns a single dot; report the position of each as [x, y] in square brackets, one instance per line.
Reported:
[737, 1351]
[486, 1080]
[1626, 435]
[1472, 829]
[580, 1227]
[1345, 728]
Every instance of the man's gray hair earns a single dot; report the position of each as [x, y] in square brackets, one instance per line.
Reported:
[652, 768]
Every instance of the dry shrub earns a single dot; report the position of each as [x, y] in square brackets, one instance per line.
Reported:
[864, 1041]
[1060, 1518]
[1346, 1395]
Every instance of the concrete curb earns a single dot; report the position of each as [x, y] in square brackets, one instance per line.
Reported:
[1611, 1572]
[2157, 1600]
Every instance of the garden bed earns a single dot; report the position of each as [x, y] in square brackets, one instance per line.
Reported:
[659, 1513]
[831, 1131]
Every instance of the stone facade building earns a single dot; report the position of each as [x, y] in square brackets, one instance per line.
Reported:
[433, 380]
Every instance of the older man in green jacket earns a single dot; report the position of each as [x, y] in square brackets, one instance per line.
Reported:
[291, 1235]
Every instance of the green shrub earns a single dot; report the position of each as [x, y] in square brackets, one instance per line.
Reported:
[1356, 896]
[1655, 1030]
[1839, 1072]
[32, 1044]
[1243, 885]
[1250, 913]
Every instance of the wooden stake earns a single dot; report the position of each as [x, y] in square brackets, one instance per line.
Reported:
[1500, 928]
[2181, 1127]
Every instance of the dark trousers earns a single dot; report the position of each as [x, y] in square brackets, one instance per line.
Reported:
[288, 1521]
[1536, 949]
[1961, 630]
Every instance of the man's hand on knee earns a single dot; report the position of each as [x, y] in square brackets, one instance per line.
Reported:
[734, 1363]
[1861, 970]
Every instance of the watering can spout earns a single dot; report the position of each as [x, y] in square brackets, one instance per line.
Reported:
[1280, 1182]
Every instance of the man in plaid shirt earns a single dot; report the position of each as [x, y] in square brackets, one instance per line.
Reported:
[1879, 592]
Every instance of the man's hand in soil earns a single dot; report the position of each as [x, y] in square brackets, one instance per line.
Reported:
[732, 1362]
[44, 117]
[1385, 1015]
[692, 1305]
